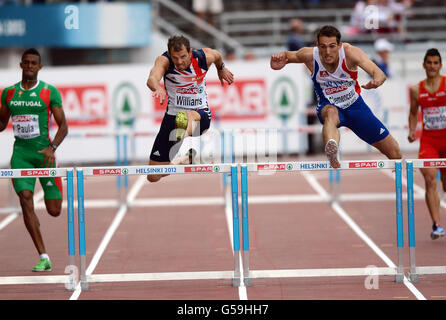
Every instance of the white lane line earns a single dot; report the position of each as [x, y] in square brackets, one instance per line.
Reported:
[350, 222]
[162, 276]
[109, 234]
[11, 217]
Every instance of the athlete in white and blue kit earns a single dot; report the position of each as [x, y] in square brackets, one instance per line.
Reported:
[334, 71]
[183, 71]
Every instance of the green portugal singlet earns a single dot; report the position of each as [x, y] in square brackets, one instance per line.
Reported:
[30, 114]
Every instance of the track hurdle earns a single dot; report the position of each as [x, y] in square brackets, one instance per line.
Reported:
[51, 173]
[412, 164]
[286, 167]
[231, 169]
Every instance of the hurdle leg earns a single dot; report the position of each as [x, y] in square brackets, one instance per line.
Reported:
[126, 162]
[235, 226]
[338, 186]
[81, 226]
[225, 159]
[70, 219]
[399, 222]
[413, 276]
[119, 162]
[245, 226]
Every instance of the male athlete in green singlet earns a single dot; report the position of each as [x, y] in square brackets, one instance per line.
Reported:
[30, 103]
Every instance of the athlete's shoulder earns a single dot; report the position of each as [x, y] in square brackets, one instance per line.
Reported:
[351, 51]
[5, 90]
[305, 54]
[46, 85]
[347, 46]
[13, 86]
[200, 51]
[414, 89]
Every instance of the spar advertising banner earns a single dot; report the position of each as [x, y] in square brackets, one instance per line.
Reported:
[256, 111]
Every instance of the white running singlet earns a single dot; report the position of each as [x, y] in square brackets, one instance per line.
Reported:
[339, 88]
[186, 89]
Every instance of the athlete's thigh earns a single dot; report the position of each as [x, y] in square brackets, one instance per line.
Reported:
[362, 121]
[22, 160]
[165, 140]
[433, 148]
[52, 187]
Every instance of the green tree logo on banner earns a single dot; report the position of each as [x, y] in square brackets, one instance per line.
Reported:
[126, 104]
[283, 97]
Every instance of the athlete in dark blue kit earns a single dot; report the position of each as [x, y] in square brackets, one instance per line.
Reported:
[183, 71]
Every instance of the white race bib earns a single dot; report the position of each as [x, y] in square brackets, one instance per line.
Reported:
[434, 118]
[26, 126]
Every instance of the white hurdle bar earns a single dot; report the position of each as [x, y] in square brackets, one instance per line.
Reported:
[396, 165]
[231, 169]
[412, 164]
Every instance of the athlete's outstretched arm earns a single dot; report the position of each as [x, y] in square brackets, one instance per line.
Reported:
[4, 117]
[413, 113]
[303, 55]
[155, 76]
[214, 57]
[359, 58]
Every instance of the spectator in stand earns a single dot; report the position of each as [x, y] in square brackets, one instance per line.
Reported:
[208, 10]
[383, 48]
[294, 41]
[378, 16]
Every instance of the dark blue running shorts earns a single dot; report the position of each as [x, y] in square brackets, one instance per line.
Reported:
[360, 119]
[163, 142]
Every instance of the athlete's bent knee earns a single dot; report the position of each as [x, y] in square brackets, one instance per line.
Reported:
[54, 212]
[153, 178]
[330, 114]
[53, 207]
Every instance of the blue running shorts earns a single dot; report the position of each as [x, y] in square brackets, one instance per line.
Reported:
[360, 119]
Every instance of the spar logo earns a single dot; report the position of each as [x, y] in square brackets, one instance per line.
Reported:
[85, 105]
[334, 90]
[38, 173]
[435, 164]
[365, 164]
[273, 167]
[107, 172]
[200, 169]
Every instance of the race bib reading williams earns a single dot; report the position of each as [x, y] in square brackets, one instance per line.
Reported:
[183, 101]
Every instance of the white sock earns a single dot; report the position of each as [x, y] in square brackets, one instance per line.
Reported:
[44, 256]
